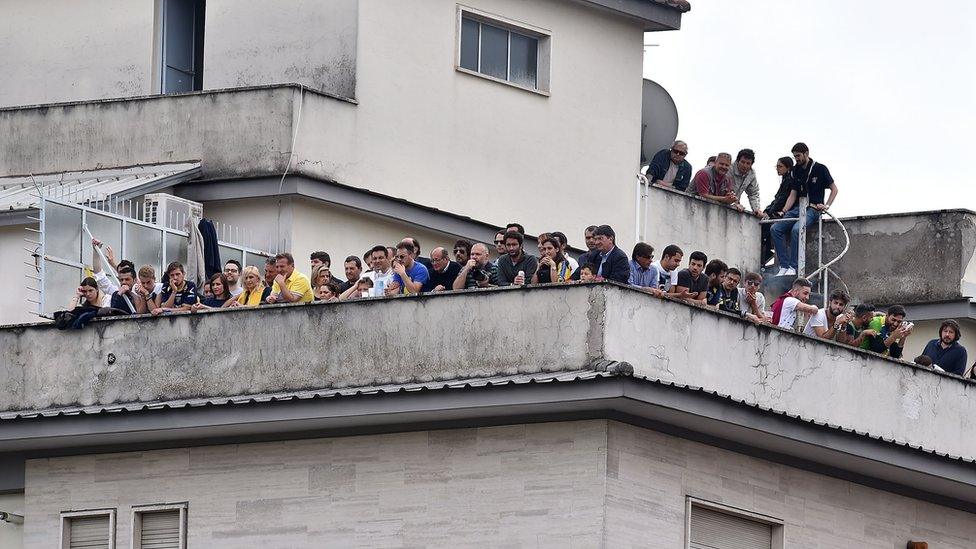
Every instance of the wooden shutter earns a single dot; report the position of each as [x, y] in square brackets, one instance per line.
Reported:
[89, 532]
[714, 530]
[160, 530]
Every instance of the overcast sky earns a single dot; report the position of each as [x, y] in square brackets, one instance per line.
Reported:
[882, 91]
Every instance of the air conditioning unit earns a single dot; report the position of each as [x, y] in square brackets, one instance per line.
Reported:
[169, 211]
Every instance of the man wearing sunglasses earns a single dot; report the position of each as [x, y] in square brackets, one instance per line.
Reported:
[669, 167]
[752, 302]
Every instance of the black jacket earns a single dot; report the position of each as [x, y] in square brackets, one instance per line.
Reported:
[616, 267]
[782, 193]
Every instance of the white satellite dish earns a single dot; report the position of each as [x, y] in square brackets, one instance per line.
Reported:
[659, 120]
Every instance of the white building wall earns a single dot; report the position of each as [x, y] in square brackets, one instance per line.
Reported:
[14, 307]
[72, 50]
[574, 484]
[12, 535]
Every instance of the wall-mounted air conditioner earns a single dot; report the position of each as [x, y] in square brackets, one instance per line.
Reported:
[169, 211]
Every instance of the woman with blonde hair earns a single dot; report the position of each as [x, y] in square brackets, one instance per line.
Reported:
[255, 291]
[321, 275]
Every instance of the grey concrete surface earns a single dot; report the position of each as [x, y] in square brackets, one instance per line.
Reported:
[483, 333]
[904, 258]
[575, 484]
[718, 230]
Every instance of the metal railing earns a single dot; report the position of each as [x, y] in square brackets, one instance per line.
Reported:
[61, 251]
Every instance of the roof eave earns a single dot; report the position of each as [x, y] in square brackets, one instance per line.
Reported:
[653, 15]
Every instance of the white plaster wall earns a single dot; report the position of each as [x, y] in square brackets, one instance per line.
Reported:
[12, 535]
[517, 486]
[310, 225]
[427, 133]
[70, 50]
[254, 42]
[14, 306]
[649, 474]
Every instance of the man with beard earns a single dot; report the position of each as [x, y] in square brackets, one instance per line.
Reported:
[892, 333]
[946, 352]
[715, 183]
[831, 319]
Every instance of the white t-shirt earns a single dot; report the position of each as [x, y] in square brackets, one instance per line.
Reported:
[787, 316]
[744, 305]
[818, 320]
[670, 174]
[670, 277]
[234, 292]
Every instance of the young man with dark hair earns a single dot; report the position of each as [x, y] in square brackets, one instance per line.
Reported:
[444, 271]
[670, 167]
[946, 352]
[810, 179]
[564, 249]
[611, 261]
[752, 302]
[478, 272]
[179, 294]
[462, 251]
[744, 180]
[124, 298]
[856, 331]
[787, 306]
[728, 292]
[892, 332]
[830, 320]
[290, 286]
[641, 273]
[410, 275]
[715, 271]
[320, 258]
[515, 261]
[692, 284]
[515, 227]
[714, 183]
[382, 273]
[232, 272]
[353, 268]
[500, 245]
[592, 255]
[666, 269]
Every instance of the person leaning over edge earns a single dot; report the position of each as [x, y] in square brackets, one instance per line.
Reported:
[670, 167]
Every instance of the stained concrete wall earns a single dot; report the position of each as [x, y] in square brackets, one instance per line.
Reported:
[697, 224]
[12, 535]
[571, 484]
[905, 258]
[253, 42]
[790, 372]
[192, 355]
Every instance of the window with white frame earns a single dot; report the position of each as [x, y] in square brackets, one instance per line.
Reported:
[715, 526]
[159, 526]
[503, 50]
[94, 529]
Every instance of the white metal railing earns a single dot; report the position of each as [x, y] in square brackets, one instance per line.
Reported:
[62, 251]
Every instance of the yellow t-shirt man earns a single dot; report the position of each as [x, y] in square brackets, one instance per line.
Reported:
[297, 283]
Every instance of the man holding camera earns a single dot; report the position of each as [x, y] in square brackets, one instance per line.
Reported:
[478, 272]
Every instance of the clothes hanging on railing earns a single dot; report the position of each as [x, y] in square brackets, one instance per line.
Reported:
[211, 250]
[195, 261]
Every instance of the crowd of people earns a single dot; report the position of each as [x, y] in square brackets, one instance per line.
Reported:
[403, 269]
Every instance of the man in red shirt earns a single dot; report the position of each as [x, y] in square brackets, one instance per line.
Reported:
[715, 183]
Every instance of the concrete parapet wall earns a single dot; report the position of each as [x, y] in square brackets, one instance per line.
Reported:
[903, 258]
[696, 224]
[482, 333]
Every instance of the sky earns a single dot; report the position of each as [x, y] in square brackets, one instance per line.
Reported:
[882, 91]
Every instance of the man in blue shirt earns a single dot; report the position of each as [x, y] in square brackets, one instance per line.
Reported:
[946, 352]
[641, 273]
[410, 275]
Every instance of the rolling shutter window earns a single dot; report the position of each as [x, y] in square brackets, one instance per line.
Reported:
[160, 530]
[714, 530]
[88, 532]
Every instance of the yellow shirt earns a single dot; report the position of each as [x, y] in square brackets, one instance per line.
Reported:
[297, 283]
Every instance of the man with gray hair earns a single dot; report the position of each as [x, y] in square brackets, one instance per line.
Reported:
[669, 167]
[443, 271]
[714, 183]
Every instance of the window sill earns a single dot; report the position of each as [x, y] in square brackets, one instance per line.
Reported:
[536, 91]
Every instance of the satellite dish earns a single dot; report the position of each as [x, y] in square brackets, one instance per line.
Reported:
[659, 120]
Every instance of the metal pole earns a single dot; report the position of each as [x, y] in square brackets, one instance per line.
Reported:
[637, 207]
[823, 274]
[647, 204]
[801, 244]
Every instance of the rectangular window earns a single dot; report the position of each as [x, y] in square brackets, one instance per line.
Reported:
[88, 529]
[182, 45]
[159, 526]
[713, 526]
[503, 50]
